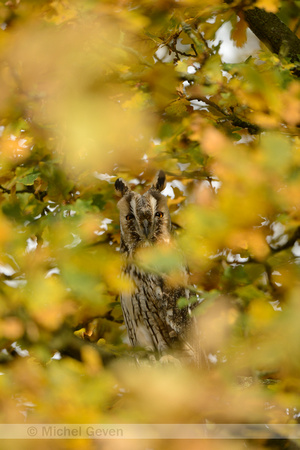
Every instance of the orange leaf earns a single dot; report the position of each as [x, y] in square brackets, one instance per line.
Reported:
[239, 32]
[268, 5]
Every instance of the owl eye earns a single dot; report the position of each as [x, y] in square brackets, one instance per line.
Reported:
[129, 216]
[159, 214]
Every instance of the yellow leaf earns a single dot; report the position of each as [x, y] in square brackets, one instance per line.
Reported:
[48, 302]
[268, 5]
[91, 359]
[252, 240]
[177, 108]
[261, 313]
[6, 232]
[80, 333]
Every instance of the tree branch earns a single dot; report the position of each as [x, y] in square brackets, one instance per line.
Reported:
[27, 190]
[273, 33]
[233, 118]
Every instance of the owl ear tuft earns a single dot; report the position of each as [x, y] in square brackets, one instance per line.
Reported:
[121, 187]
[159, 182]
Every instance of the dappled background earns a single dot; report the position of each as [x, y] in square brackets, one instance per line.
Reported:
[93, 90]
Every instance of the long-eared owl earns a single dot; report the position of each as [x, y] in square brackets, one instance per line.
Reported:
[152, 317]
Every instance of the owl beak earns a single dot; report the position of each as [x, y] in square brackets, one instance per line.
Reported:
[146, 227]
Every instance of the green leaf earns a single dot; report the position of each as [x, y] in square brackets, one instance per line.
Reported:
[249, 293]
[28, 180]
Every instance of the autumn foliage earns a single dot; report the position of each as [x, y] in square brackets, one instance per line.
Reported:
[93, 90]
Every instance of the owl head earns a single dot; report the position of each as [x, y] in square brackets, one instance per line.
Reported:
[144, 219]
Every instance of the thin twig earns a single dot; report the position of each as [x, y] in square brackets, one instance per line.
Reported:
[6, 191]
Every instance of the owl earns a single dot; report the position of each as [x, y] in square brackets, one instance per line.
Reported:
[151, 314]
